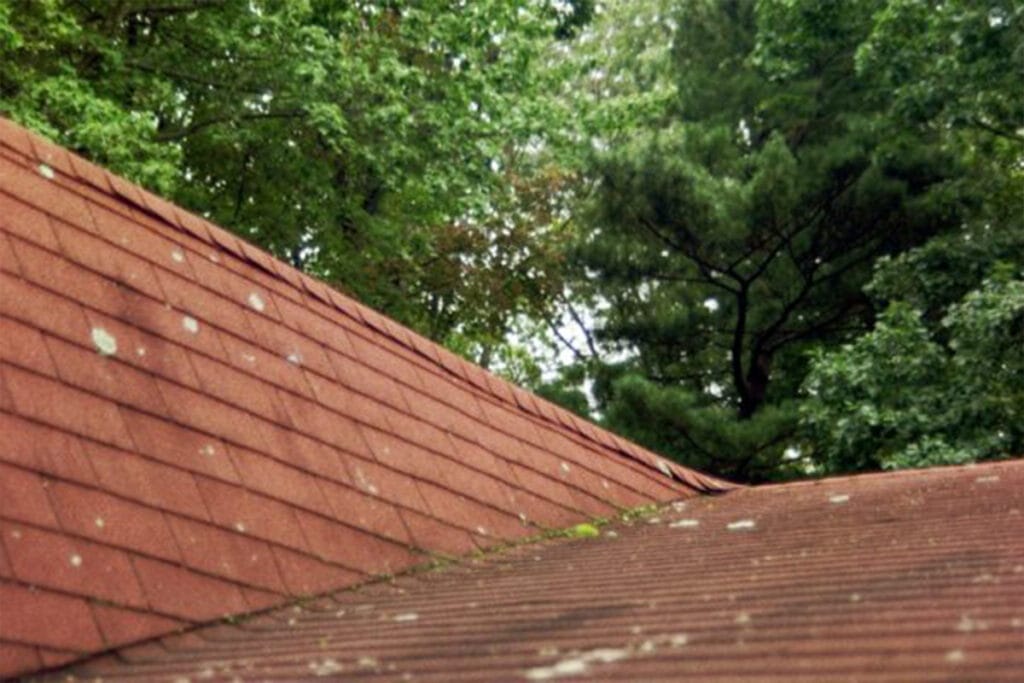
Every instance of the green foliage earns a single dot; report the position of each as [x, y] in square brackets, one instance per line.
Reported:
[373, 144]
[736, 230]
[584, 530]
[899, 397]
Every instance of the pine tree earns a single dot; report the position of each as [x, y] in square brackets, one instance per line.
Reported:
[739, 232]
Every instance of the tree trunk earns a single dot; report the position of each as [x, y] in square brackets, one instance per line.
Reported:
[756, 385]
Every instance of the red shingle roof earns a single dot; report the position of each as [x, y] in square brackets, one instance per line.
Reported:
[915, 576]
[191, 429]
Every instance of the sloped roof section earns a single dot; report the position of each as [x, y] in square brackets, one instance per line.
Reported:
[915, 576]
[190, 428]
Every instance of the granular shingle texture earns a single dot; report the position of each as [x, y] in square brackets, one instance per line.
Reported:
[915, 576]
[190, 428]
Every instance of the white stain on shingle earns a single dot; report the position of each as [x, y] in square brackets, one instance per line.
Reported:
[364, 483]
[208, 450]
[988, 479]
[742, 618]
[140, 351]
[104, 342]
[481, 530]
[294, 358]
[256, 301]
[741, 525]
[577, 665]
[99, 523]
[177, 255]
[684, 524]
[968, 624]
[665, 469]
[240, 528]
[75, 560]
[47, 172]
[565, 467]
[955, 656]
[838, 498]
[190, 324]
[407, 616]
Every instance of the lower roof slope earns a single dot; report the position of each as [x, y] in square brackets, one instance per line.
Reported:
[191, 429]
[911, 576]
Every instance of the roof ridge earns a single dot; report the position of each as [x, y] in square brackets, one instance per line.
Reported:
[56, 158]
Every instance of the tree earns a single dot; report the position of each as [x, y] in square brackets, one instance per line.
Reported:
[739, 233]
[369, 143]
[907, 395]
[937, 381]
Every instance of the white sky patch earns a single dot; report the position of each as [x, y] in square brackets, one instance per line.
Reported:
[711, 303]
[715, 389]
[792, 453]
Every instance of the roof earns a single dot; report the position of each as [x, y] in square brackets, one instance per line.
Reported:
[893, 577]
[190, 428]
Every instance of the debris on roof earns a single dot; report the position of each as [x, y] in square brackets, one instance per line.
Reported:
[191, 429]
[918, 576]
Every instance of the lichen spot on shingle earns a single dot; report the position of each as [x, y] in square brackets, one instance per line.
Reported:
[955, 656]
[408, 616]
[208, 450]
[665, 469]
[190, 324]
[75, 560]
[565, 467]
[177, 255]
[47, 172]
[325, 667]
[968, 624]
[294, 358]
[105, 342]
[988, 479]
[100, 523]
[838, 498]
[256, 301]
[741, 525]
